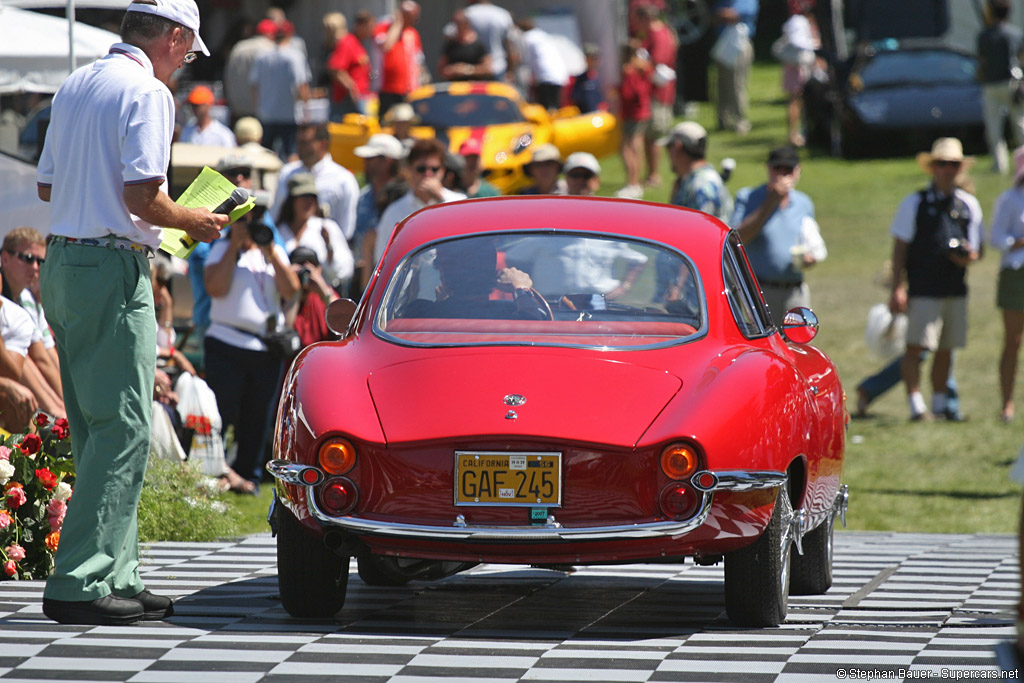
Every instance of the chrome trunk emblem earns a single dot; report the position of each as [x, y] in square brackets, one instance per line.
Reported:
[514, 400]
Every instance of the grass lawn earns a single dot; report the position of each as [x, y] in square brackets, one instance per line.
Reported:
[903, 476]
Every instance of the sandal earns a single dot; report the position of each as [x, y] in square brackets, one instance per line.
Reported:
[239, 484]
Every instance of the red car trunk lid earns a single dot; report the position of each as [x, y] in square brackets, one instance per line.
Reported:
[547, 396]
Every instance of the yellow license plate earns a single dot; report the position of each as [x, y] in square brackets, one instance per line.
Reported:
[503, 478]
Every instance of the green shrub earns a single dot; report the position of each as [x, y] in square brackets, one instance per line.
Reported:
[178, 503]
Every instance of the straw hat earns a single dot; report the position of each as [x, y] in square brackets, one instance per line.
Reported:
[945, 149]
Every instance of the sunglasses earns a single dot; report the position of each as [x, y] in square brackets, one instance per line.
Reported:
[423, 169]
[244, 172]
[190, 57]
[580, 175]
[787, 170]
[28, 258]
[946, 163]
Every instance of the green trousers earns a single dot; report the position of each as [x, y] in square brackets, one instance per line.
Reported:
[99, 302]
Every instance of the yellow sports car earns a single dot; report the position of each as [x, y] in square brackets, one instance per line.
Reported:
[507, 127]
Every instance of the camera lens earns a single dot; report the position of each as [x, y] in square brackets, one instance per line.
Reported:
[304, 276]
[261, 234]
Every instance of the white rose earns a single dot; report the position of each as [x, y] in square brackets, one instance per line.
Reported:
[62, 492]
[6, 471]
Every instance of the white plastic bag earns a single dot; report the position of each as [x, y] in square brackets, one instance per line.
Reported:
[163, 442]
[885, 334]
[197, 406]
[732, 44]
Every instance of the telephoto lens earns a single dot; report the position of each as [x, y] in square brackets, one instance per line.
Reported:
[261, 233]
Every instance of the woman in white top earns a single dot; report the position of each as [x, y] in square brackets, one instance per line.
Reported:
[1008, 238]
[301, 225]
[247, 283]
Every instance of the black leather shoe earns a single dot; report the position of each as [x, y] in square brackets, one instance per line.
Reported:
[109, 610]
[155, 607]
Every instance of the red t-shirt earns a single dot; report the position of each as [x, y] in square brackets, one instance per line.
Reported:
[635, 92]
[310, 321]
[400, 68]
[661, 45]
[350, 55]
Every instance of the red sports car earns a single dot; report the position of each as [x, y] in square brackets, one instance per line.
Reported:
[560, 381]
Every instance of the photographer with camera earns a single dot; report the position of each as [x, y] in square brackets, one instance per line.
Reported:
[937, 232]
[248, 276]
[314, 295]
[302, 225]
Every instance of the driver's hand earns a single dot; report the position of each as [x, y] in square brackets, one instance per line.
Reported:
[510, 279]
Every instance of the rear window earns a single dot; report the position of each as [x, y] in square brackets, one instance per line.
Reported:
[543, 288]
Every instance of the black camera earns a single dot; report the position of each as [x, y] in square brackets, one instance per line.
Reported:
[260, 233]
[958, 247]
[304, 276]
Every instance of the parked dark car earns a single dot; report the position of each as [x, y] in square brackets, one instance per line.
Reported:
[895, 97]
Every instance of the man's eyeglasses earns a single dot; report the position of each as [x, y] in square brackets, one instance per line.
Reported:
[946, 163]
[28, 258]
[190, 57]
[423, 168]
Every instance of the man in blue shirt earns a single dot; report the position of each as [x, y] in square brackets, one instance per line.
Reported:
[777, 226]
[697, 186]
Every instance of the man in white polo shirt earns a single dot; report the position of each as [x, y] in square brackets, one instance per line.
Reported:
[102, 170]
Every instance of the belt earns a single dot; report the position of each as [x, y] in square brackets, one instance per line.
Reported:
[775, 284]
[108, 241]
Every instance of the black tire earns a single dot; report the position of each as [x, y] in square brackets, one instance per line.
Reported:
[311, 578]
[757, 577]
[812, 571]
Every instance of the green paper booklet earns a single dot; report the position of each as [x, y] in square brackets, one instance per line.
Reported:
[208, 190]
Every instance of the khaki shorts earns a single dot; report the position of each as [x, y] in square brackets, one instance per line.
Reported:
[937, 323]
[1010, 296]
[661, 120]
[632, 128]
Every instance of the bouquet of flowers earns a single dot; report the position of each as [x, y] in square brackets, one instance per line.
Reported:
[37, 474]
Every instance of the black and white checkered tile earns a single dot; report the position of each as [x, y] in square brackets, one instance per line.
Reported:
[900, 601]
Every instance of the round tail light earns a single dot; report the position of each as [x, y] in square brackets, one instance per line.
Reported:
[338, 496]
[337, 456]
[679, 460]
[680, 501]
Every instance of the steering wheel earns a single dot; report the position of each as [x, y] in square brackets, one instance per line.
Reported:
[538, 298]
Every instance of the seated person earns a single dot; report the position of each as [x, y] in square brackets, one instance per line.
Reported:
[468, 276]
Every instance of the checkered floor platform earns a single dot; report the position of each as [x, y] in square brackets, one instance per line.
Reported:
[937, 603]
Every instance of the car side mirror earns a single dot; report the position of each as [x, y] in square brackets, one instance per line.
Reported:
[800, 325]
[339, 315]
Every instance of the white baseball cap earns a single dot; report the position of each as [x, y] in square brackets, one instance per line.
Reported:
[381, 145]
[184, 12]
[584, 160]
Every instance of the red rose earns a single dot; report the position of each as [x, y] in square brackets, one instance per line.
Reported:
[42, 419]
[61, 429]
[31, 444]
[47, 478]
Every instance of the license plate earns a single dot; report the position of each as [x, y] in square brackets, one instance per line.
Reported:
[502, 478]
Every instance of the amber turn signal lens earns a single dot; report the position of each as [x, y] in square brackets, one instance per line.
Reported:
[337, 456]
[679, 460]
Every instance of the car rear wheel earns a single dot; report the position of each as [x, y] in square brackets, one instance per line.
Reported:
[757, 577]
[311, 578]
[812, 571]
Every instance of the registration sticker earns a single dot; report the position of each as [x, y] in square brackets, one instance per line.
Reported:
[508, 479]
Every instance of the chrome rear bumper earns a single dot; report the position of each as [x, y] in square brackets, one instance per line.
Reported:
[551, 530]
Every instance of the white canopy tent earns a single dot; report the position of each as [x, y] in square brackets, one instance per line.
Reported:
[34, 49]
